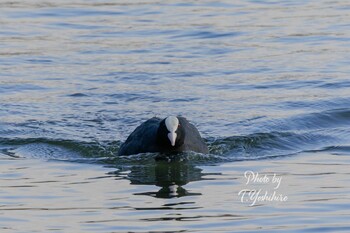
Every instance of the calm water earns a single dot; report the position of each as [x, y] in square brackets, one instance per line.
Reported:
[266, 83]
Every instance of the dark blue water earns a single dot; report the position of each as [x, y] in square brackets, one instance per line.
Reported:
[265, 82]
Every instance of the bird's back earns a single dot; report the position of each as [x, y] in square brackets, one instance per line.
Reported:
[142, 139]
[193, 140]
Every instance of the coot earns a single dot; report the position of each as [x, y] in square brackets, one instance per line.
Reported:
[172, 134]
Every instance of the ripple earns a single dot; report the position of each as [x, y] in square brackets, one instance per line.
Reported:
[318, 120]
[63, 12]
[236, 148]
[205, 35]
[78, 95]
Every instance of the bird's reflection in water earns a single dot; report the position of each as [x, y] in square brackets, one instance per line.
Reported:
[170, 176]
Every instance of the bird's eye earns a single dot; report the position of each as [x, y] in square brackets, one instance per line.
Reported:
[178, 125]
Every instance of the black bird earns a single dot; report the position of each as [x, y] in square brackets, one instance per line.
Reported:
[172, 134]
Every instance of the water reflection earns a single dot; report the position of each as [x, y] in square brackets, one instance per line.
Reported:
[171, 177]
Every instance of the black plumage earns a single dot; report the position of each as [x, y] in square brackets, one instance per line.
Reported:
[151, 136]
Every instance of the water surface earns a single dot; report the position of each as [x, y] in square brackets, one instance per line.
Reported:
[265, 82]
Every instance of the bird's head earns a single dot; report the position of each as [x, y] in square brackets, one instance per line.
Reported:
[171, 133]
